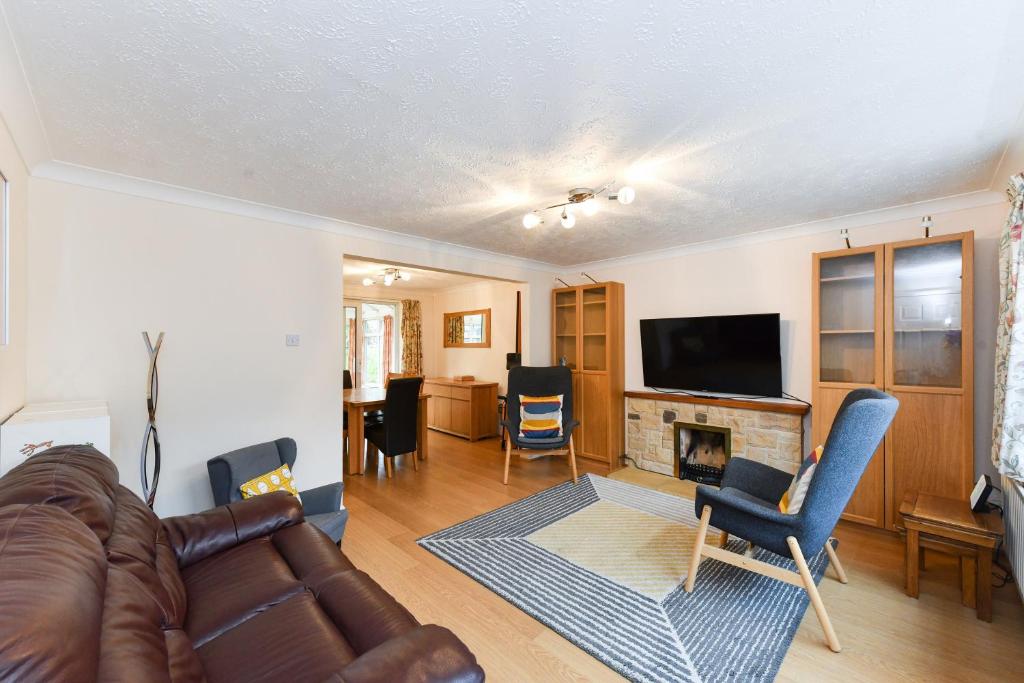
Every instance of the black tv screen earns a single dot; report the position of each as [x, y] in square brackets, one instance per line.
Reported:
[736, 354]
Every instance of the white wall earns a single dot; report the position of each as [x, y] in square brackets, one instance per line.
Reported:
[226, 290]
[775, 277]
[225, 286]
[12, 355]
[486, 364]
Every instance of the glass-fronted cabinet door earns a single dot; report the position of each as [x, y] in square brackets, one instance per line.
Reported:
[927, 315]
[594, 301]
[929, 367]
[848, 308]
[566, 332]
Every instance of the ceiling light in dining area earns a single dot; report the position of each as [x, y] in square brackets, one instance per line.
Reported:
[388, 277]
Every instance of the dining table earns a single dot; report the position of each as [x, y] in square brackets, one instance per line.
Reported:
[358, 402]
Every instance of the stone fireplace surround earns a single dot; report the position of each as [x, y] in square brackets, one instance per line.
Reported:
[769, 431]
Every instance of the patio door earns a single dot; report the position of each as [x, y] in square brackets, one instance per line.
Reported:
[372, 346]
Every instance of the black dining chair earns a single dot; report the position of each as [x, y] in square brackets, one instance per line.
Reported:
[396, 433]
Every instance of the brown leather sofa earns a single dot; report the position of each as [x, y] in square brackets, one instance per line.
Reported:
[94, 587]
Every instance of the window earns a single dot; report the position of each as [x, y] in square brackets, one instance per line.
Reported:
[372, 342]
[473, 332]
[5, 263]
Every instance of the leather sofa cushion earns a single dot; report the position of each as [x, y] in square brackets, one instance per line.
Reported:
[233, 586]
[145, 599]
[365, 614]
[196, 537]
[51, 604]
[139, 546]
[69, 477]
[292, 641]
[309, 553]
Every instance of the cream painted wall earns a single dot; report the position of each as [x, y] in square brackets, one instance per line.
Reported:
[12, 355]
[486, 364]
[226, 288]
[775, 277]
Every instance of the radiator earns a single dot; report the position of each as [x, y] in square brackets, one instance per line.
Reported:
[1013, 504]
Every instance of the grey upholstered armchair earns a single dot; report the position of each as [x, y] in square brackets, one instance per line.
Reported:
[322, 505]
[746, 505]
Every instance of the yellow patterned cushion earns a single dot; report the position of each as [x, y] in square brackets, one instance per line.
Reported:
[793, 499]
[275, 480]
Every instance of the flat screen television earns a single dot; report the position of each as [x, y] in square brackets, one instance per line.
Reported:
[736, 354]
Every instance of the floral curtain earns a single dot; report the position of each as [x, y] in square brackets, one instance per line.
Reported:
[350, 349]
[456, 330]
[1008, 414]
[412, 338]
[387, 345]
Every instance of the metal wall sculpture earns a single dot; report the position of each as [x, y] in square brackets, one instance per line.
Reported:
[151, 435]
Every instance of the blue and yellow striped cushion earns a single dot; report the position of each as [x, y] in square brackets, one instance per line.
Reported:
[540, 417]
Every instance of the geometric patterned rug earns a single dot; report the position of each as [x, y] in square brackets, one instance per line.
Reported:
[602, 562]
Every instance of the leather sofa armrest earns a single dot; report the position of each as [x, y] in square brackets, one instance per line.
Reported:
[196, 537]
[421, 655]
[326, 498]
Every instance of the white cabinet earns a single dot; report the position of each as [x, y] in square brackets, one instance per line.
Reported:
[53, 424]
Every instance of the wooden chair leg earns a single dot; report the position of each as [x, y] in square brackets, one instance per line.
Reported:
[812, 591]
[572, 459]
[508, 459]
[698, 548]
[388, 466]
[833, 559]
[415, 461]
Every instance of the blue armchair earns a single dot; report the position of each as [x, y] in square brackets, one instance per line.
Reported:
[529, 381]
[746, 505]
[322, 505]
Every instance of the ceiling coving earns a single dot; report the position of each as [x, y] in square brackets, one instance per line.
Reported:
[452, 120]
[583, 199]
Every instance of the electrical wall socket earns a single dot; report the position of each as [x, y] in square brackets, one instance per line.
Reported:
[291, 340]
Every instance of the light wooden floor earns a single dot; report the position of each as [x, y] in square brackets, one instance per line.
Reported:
[886, 636]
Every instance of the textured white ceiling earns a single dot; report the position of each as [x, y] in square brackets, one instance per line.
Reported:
[449, 120]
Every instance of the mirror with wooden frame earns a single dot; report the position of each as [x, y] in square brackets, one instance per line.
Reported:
[468, 329]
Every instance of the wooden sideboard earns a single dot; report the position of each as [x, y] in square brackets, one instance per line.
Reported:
[466, 409]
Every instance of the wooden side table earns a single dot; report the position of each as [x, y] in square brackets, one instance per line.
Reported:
[950, 526]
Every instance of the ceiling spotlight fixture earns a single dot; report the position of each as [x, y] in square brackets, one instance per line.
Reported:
[388, 277]
[583, 197]
[625, 195]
